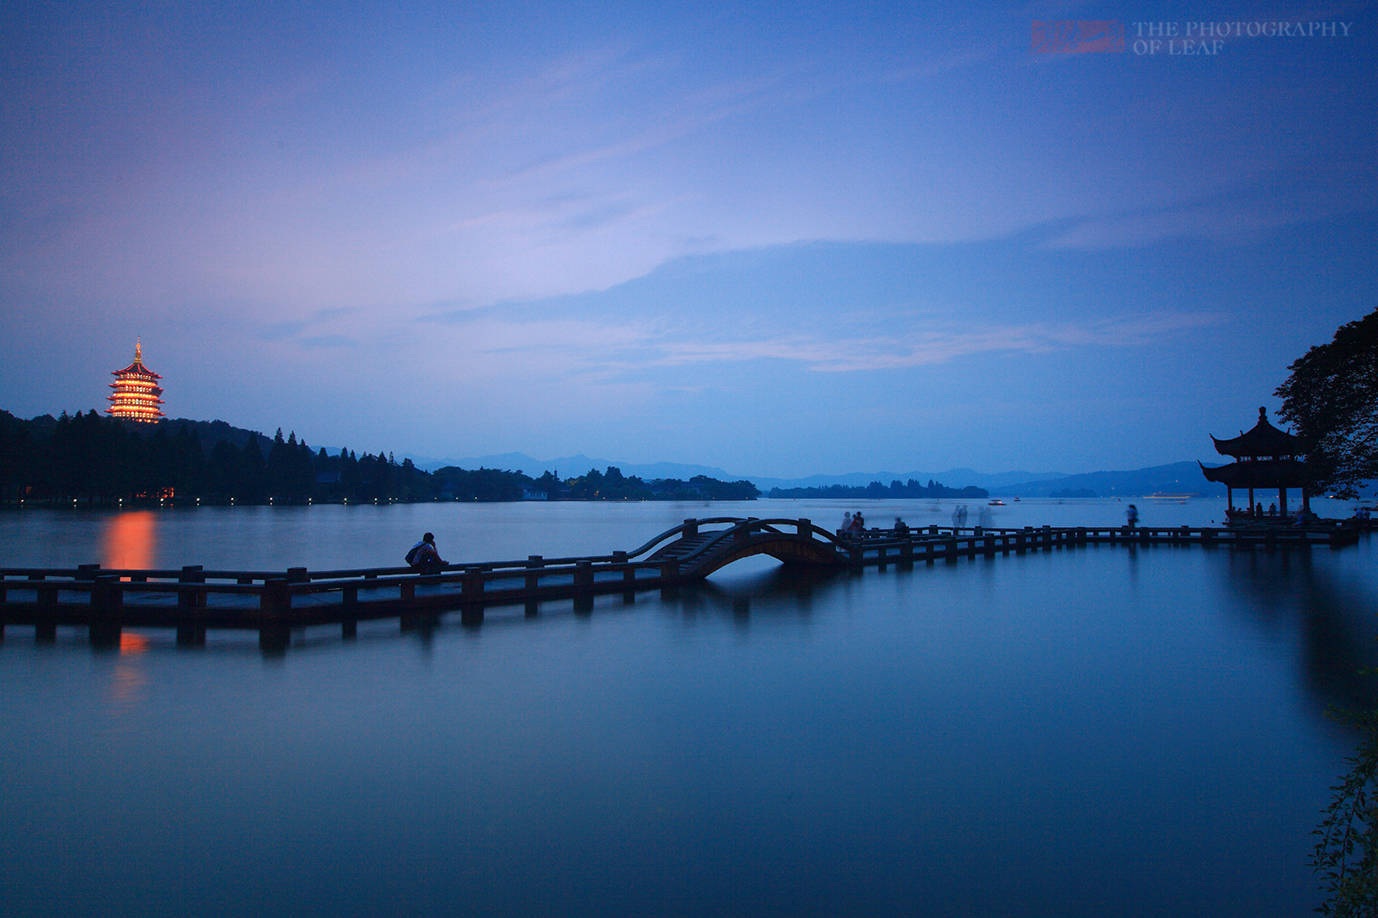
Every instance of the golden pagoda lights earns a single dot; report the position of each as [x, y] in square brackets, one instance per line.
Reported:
[137, 394]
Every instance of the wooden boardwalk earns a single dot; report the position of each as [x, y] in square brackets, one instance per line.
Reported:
[193, 600]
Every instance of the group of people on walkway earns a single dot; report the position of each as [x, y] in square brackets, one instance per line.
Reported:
[853, 525]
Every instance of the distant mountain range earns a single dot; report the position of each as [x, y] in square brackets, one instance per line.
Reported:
[1176, 478]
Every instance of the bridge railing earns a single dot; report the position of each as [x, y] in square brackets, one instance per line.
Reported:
[735, 527]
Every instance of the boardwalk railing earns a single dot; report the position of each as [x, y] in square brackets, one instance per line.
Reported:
[194, 599]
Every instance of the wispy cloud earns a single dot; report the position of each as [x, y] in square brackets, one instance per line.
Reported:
[599, 348]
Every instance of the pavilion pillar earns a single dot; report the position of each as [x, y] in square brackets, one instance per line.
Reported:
[1229, 498]
[1282, 501]
[1251, 500]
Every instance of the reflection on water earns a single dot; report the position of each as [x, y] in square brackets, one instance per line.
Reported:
[129, 540]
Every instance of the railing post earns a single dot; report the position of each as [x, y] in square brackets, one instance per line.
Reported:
[628, 572]
[191, 599]
[275, 603]
[191, 603]
[349, 624]
[583, 575]
[533, 563]
[471, 588]
[804, 528]
[106, 600]
[669, 577]
[690, 528]
[46, 630]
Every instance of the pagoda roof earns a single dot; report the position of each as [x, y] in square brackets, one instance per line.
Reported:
[1259, 473]
[1263, 439]
[137, 368]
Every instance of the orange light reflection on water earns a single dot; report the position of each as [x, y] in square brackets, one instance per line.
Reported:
[129, 540]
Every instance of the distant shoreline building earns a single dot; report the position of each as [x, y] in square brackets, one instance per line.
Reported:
[137, 393]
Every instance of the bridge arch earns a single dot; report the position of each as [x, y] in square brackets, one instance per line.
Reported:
[694, 551]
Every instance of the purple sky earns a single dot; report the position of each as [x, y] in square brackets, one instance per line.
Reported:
[781, 239]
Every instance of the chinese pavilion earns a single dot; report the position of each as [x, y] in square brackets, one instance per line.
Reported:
[1265, 458]
[136, 394]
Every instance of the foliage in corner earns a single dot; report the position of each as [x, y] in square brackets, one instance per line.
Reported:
[1346, 852]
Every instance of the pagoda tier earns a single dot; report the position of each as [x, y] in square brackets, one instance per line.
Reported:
[1263, 439]
[137, 394]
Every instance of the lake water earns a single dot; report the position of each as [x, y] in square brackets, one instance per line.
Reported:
[1109, 730]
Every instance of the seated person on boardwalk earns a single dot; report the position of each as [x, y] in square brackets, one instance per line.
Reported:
[424, 556]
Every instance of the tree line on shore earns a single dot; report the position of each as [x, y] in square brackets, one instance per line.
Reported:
[93, 459]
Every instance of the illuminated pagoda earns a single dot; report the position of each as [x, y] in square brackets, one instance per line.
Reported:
[136, 395]
[1265, 458]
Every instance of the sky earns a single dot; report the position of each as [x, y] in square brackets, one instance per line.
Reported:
[780, 239]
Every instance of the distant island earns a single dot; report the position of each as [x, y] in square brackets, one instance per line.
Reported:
[877, 491]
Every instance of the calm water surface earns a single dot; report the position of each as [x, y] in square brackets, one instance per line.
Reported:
[1089, 732]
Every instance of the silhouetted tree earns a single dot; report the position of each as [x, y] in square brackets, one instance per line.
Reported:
[1331, 398]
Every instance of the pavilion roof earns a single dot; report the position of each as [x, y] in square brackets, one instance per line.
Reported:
[1260, 473]
[1263, 439]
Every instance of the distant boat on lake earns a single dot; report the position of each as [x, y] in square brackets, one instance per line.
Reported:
[997, 502]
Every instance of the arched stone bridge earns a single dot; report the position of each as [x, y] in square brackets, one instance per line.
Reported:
[695, 550]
